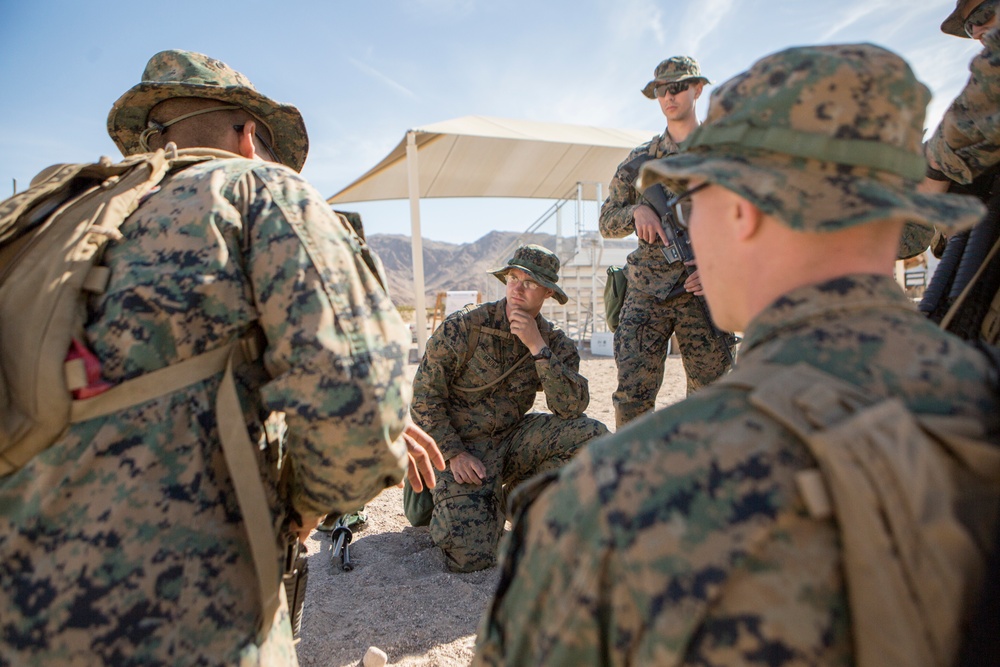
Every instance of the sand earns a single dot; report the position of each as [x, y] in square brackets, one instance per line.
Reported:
[400, 597]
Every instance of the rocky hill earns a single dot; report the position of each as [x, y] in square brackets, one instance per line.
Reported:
[447, 266]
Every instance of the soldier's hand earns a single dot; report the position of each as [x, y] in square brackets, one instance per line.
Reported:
[308, 525]
[648, 226]
[693, 282]
[424, 456]
[525, 328]
[467, 469]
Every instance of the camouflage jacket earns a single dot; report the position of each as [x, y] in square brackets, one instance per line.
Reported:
[681, 540]
[647, 270]
[967, 141]
[454, 417]
[129, 522]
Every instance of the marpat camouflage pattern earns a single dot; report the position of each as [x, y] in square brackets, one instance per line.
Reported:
[681, 539]
[967, 141]
[494, 424]
[123, 543]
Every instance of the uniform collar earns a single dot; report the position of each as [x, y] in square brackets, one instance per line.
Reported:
[846, 293]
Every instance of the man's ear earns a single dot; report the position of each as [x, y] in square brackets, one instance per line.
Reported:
[698, 87]
[247, 149]
[748, 219]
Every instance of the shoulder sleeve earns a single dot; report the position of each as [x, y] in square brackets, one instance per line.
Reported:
[967, 141]
[336, 345]
[567, 393]
[616, 219]
[443, 359]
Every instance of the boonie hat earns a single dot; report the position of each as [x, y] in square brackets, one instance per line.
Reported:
[677, 68]
[172, 74]
[822, 138]
[955, 23]
[539, 263]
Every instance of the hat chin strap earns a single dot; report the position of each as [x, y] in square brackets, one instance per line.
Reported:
[152, 127]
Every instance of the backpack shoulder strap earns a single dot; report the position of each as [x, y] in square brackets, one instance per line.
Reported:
[477, 319]
[897, 487]
[477, 316]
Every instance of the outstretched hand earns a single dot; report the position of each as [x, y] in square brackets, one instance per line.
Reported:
[424, 456]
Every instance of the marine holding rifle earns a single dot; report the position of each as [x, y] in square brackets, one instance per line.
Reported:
[663, 293]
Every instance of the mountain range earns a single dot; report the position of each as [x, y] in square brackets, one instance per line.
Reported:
[448, 266]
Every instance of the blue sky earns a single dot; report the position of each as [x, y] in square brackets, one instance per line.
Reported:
[362, 73]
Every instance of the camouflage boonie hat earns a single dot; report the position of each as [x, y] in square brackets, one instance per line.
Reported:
[955, 23]
[822, 138]
[172, 74]
[539, 263]
[678, 68]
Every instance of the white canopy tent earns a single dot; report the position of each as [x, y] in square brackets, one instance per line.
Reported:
[479, 156]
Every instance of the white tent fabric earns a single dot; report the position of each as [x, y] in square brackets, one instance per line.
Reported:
[480, 156]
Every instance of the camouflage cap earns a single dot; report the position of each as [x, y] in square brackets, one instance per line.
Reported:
[677, 68]
[822, 138]
[539, 263]
[172, 74]
[955, 23]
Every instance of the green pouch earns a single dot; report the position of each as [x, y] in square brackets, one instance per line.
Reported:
[614, 295]
[417, 507]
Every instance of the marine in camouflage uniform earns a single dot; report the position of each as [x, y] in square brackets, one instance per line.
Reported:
[967, 141]
[479, 407]
[963, 156]
[656, 305]
[682, 539]
[123, 543]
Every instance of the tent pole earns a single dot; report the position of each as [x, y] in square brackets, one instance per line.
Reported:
[420, 311]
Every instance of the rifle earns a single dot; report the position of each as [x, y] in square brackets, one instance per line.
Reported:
[342, 536]
[968, 275]
[295, 577]
[678, 248]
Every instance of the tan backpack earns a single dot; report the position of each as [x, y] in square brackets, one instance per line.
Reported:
[915, 498]
[52, 238]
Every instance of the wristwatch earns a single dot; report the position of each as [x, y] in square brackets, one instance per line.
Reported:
[544, 353]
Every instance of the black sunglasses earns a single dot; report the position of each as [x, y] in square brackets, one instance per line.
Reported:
[675, 203]
[672, 88]
[239, 128]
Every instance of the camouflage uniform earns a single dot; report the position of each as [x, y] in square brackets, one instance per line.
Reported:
[967, 141]
[649, 314]
[682, 539]
[123, 543]
[494, 424]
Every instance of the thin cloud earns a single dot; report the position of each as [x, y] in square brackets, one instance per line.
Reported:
[702, 19]
[375, 74]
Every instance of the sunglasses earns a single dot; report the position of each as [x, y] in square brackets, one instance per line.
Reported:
[671, 88]
[675, 203]
[980, 16]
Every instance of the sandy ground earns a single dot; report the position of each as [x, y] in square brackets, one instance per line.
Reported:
[400, 597]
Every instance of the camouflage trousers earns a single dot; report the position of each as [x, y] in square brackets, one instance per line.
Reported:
[468, 520]
[641, 350]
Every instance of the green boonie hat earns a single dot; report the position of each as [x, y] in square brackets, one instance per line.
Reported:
[822, 138]
[955, 23]
[539, 263]
[172, 74]
[678, 68]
